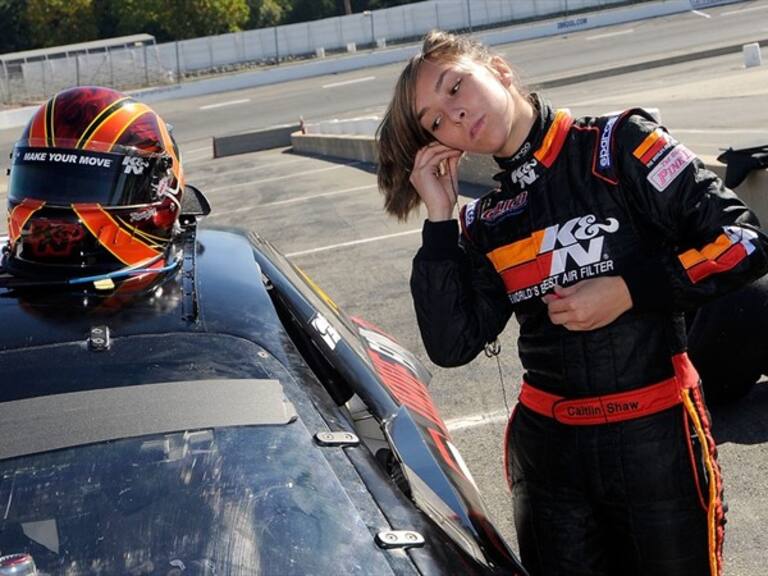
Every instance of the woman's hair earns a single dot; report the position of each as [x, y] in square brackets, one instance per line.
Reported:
[400, 135]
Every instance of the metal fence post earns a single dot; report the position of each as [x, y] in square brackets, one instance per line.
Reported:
[178, 64]
[277, 49]
[146, 67]
[7, 82]
[469, 15]
[111, 68]
[77, 70]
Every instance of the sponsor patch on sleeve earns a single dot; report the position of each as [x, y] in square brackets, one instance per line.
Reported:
[653, 147]
[670, 167]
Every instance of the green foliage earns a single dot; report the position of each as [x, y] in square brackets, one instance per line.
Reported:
[303, 10]
[57, 22]
[194, 18]
[135, 17]
[267, 12]
[26, 24]
[14, 34]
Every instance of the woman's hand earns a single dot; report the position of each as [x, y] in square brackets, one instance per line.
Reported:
[435, 176]
[589, 304]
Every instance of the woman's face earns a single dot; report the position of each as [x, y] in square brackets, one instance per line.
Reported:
[467, 105]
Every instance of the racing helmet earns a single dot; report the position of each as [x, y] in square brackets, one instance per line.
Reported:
[95, 187]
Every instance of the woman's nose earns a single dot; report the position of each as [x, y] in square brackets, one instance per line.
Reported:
[458, 115]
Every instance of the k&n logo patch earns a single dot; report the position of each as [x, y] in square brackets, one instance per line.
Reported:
[557, 255]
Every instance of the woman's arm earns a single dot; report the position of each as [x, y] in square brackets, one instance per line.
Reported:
[712, 242]
[460, 301]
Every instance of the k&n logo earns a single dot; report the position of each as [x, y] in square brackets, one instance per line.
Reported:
[526, 174]
[559, 254]
[569, 240]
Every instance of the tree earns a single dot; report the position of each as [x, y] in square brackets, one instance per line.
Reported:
[169, 20]
[194, 18]
[14, 35]
[126, 17]
[57, 22]
[304, 10]
[267, 12]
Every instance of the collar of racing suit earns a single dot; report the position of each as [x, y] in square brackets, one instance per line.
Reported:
[521, 160]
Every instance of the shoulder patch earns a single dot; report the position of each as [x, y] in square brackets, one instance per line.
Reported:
[603, 163]
[604, 154]
[653, 147]
[670, 167]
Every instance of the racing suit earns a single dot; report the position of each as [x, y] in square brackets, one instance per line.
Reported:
[617, 482]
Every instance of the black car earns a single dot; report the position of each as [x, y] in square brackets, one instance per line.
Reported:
[227, 418]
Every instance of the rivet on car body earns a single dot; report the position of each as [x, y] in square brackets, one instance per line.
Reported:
[399, 539]
[99, 338]
[342, 439]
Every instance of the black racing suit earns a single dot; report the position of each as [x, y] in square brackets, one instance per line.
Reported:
[584, 198]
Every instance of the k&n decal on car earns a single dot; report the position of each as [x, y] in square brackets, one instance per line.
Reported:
[557, 255]
[327, 332]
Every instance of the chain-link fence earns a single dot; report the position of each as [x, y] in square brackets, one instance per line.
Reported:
[146, 64]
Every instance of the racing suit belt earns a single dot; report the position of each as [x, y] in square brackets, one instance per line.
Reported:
[616, 407]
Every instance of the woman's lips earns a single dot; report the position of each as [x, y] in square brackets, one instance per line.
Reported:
[476, 127]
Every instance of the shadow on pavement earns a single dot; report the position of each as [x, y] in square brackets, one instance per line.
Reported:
[744, 421]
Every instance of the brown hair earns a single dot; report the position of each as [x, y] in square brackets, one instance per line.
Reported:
[400, 134]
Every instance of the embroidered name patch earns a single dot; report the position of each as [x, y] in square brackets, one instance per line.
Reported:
[505, 208]
[670, 167]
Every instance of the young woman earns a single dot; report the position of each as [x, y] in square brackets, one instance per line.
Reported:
[602, 232]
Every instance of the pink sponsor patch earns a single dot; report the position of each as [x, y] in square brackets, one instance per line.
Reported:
[670, 166]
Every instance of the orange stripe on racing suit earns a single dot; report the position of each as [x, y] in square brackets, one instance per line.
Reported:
[554, 139]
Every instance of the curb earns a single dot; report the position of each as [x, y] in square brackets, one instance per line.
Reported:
[639, 66]
[476, 169]
[273, 137]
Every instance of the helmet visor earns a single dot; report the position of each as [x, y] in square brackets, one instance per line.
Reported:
[63, 176]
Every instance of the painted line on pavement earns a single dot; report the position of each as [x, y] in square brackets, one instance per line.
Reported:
[284, 177]
[223, 104]
[352, 243]
[610, 34]
[347, 82]
[702, 14]
[752, 9]
[476, 420]
[196, 150]
[290, 200]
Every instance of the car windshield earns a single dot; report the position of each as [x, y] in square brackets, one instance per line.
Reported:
[247, 500]
[197, 493]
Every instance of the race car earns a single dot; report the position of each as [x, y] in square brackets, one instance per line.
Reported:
[225, 418]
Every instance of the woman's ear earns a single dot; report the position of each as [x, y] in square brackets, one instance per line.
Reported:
[502, 70]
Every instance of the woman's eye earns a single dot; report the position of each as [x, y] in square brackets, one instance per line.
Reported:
[435, 124]
[455, 87]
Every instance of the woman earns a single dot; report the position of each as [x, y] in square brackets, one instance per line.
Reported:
[602, 232]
